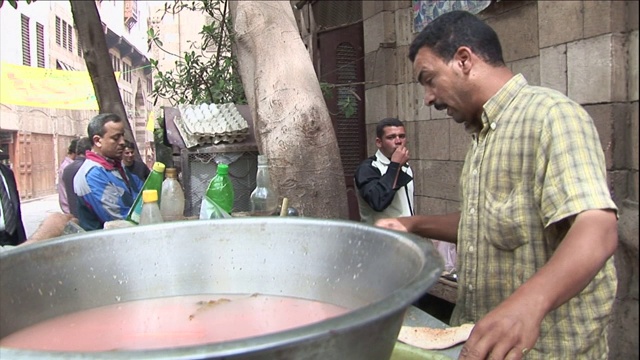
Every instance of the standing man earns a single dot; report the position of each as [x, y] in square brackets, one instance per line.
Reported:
[105, 188]
[537, 227]
[84, 145]
[129, 161]
[385, 180]
[11, 227]
[62, 192]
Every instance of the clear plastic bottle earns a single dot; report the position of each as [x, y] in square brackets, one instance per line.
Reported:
[172, 205]
[150, 213]
[264, 199]
[219, 194]
[153, 182]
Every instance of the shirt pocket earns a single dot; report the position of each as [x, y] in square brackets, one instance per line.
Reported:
[504, 219]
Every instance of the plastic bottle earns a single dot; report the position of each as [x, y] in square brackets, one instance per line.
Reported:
[220, 192]
[172, 205]
[264, 199]
[150, 213]
[153, 182]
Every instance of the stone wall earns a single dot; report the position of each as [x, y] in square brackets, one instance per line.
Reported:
[585, 49]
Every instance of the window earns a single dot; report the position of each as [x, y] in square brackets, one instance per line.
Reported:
[64, 34]
[79, 47]
[127, 99]
[40, 44]
[26, 41]
[70, 40]
[58, 34]
[115, 62]
[126, 72]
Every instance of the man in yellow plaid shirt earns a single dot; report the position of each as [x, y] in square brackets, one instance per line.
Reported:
[537, 227]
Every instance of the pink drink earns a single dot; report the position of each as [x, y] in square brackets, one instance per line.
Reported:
[171, 322]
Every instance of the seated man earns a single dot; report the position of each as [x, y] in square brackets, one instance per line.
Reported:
[106, 189]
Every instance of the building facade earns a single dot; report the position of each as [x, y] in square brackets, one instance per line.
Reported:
[35, 137]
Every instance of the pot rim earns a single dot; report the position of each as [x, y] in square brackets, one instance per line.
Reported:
[397, 302]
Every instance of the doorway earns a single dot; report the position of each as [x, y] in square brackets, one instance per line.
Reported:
[341, 64]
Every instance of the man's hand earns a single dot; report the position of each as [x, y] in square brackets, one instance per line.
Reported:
[400, 155]
[507, 332]
[391, 223]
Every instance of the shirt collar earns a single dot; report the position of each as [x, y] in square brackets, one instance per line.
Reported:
[107, 163]
[502, 99]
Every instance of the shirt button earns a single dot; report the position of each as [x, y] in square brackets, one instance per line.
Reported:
[470, 248]
[470, 287]
[493, 126]
[475, 172]
[472, 211]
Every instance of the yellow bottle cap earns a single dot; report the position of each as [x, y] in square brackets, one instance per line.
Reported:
[159, 167]
[149, 196]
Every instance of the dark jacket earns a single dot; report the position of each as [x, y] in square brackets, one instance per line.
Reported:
[139, 169]
[19, 236]
[67, 179]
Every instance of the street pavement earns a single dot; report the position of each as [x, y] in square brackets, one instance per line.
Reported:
[35, 210]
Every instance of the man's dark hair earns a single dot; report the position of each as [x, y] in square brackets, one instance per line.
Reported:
[96, 125]
[72, 146]
[387, 122]
[129, 144]
[449, 31]
[84, 145]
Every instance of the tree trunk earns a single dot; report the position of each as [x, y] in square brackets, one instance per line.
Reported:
[291, 120]
[96, 56]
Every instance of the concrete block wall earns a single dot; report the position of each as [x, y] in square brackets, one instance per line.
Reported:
[587, 50]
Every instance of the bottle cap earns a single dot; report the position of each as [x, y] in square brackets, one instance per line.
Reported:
[171, 172]
[149, 196]
[223, 169]
[158, 167]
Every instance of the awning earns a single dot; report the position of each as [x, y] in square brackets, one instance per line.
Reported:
[64, 66]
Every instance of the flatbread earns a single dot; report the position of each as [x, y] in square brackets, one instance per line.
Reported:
[434, 339]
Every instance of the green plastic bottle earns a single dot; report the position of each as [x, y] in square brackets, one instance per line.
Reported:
[220, 189]
[153, 182]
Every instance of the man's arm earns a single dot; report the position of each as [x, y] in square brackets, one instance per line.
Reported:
[103, 198]
[376, 189]
[437, 227]
[52, 226]
[515, 323]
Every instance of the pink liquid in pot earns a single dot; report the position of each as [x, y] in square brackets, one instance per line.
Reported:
[171, 322]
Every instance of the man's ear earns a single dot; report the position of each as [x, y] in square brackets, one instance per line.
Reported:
[463, 58]
[96, 141]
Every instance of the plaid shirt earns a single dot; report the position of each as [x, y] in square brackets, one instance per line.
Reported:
[536, 163]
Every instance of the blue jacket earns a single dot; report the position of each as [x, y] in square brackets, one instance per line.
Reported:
[106, 189]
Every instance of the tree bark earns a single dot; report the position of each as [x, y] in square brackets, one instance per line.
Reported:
[291, 120]
[96, 56]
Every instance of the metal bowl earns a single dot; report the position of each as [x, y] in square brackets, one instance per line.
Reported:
[376, 273]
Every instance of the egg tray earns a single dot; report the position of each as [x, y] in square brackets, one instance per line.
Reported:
[211, 124]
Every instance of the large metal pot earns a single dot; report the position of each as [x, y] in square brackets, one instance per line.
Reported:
[376, 272]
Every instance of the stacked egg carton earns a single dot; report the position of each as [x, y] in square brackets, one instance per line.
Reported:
[211, 124]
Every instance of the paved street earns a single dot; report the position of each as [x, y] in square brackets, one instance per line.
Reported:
[35, 210]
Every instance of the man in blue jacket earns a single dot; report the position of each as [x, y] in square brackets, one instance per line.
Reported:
[106, 189]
